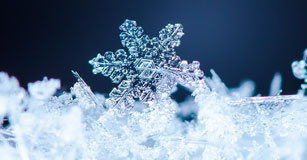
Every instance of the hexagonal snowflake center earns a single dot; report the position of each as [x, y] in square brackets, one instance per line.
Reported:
[145, 68]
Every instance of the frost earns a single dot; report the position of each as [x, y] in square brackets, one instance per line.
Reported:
[225, 123]
[43, 89]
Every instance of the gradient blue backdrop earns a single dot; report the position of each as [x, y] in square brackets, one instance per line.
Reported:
[239, 39]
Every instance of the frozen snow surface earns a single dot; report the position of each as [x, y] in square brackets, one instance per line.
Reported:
[80, 125]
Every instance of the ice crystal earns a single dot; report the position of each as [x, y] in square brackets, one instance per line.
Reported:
[151, 68]
[77, 125]
[300, 71]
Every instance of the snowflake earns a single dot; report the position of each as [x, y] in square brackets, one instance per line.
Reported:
[150, 70]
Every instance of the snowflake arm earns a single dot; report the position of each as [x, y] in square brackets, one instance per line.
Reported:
[133, 38]
[110, 64]
[170, 36]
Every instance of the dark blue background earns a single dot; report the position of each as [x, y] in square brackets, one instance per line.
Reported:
[239, 39]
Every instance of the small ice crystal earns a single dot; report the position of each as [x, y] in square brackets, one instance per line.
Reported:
[299, 67]
[300, 71]
[150, 67]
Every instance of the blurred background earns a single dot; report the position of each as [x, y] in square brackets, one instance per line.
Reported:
[242, 39]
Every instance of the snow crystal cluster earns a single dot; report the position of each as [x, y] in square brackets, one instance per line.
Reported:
[139, 120]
